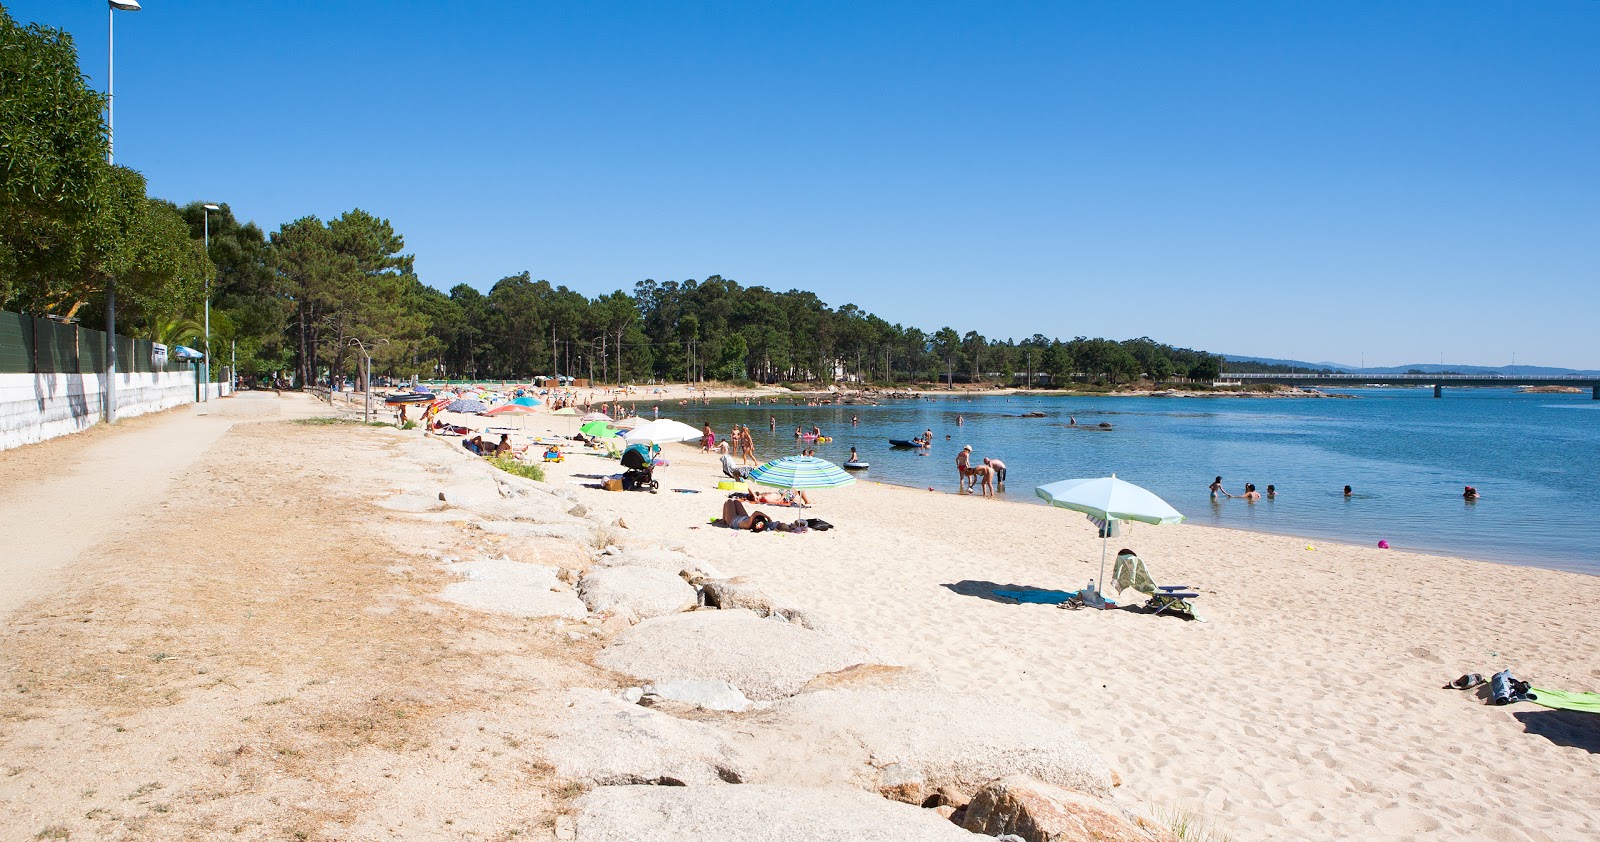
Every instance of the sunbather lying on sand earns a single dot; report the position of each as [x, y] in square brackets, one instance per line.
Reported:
[736, 516]
[778, 498]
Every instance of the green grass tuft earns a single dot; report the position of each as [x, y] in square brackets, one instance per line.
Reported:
[516, 468]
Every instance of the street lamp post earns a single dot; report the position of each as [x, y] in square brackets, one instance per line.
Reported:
[207, 208]
[112, 7]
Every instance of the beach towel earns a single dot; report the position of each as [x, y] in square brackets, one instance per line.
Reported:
[1565, 700]
[1130, 572]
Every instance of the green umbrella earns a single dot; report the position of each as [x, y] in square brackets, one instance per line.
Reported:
[598, 429]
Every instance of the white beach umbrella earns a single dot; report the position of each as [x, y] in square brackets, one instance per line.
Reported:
[661, 431]
[1107, 499]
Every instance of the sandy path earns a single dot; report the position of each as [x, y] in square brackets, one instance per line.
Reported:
[68, 494]
[267, 659]
[1308, 707]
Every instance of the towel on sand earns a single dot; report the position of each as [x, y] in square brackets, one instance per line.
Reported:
[1563, 700]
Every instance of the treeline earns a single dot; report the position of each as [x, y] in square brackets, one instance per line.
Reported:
[311, 299]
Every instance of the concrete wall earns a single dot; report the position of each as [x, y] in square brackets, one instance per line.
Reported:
[36, 407]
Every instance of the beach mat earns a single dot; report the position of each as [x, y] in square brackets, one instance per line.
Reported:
[1037, 596]
[1563, 700]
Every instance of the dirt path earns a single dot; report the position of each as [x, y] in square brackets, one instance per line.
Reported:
[265, 659]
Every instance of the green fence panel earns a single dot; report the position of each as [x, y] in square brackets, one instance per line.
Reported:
[55, 347]
[91, 351]
[16, 344]
[142, 349]
[125, 358]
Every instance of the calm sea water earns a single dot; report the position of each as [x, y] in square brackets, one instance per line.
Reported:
[1534, 458]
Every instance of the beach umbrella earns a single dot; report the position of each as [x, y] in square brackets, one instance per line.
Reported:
[568, 412]
[800, 473]
[1105, 499]
[662, 431]
[471, 406]
[598, 429]
[526, 400]
[593, 416]
[628, 423]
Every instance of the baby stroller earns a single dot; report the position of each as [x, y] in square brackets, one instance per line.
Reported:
[639, 469]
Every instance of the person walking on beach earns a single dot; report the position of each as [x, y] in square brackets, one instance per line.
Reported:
[747, 446]
[962, 469]
[1216, 488]
[708, 442]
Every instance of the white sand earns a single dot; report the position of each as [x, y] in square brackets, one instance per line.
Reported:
[1309, 706]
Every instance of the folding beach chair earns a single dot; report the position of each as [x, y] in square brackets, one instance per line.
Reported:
[1130, 572]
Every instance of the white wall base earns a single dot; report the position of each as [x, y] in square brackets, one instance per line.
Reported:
[36, 407]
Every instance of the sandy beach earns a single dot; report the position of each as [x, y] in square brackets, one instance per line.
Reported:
[275, 653]
[1308, 705]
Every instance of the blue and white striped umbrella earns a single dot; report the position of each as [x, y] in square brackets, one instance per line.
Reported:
[801, 472]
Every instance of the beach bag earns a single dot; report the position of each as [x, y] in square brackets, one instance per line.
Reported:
[1504, 688]
[818, 524]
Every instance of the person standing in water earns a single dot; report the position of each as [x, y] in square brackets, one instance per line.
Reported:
[1216, 489]
[962, 471]
[772, 423]
[1348, 493]
[1272, 491]
[927, 437]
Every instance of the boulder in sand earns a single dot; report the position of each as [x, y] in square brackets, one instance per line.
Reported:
[645, 591]
[710, 695]
[767, 659]
[1038, 812]
[661, 558]
[740, 592]
[755, 812]
[954, 739]
[609, 742]
[500, 584]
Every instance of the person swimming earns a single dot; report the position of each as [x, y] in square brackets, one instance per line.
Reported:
[1348, 492]
[1470, 494]
[1272, 491]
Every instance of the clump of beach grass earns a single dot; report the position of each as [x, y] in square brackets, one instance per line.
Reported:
[1190, 825]
[516, 468]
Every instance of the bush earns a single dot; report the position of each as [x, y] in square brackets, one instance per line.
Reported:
[517, 468]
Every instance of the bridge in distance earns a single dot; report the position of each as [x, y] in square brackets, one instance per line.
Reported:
[1437, 381]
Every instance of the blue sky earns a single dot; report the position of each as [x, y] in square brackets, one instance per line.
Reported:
[1287, 179]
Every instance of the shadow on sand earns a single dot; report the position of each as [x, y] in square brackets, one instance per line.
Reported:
[1570, 728]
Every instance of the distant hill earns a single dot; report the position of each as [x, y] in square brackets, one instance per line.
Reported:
[1426, 368]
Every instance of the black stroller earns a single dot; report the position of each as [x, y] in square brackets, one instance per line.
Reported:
[639, 469]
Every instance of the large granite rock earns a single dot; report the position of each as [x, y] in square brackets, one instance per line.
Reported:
[897, 725]
[1038, 812]
[740, 592]
[658, 557]
[644, 591]
[707, 695]
[606, 741]
[765, 658]
[754, 813]
[503, 585]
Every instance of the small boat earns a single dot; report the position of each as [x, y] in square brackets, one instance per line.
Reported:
[414, 397]
[856, 465]
[904, 443]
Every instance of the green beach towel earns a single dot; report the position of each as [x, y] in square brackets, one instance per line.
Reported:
[1563, 700]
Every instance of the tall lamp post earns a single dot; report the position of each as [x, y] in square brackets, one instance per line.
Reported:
[207, 208]
[113, 6]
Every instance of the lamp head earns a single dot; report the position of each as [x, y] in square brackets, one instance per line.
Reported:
[124, 5]
[209, 206]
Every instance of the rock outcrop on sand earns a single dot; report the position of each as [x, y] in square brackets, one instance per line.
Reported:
[927, 736]
[606, 741]
[1038, 812]
[765, 658]
[644, 592]
[526, 590]
[755, 813]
